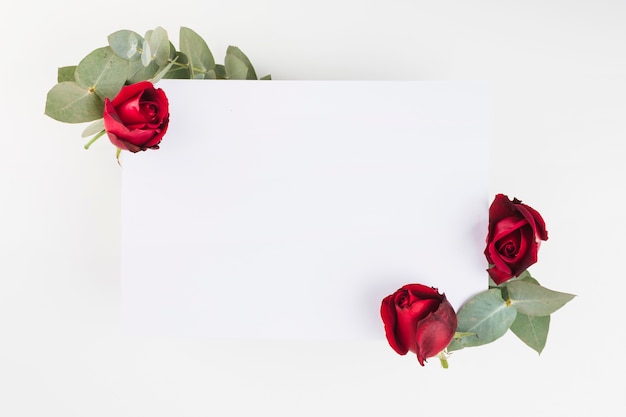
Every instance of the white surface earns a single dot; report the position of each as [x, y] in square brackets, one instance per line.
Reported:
[558, 76]
[297, 206]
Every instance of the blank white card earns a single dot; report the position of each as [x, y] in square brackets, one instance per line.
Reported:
[289, 209]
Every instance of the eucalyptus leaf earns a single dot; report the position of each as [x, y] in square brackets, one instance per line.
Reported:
[93, 128]
[71, 103]
[137, 72]
[126, 44]
[455, 344]
[238, 66]
[180, 67]
[486, 316]
[66, 73]
[159, 75]
[220, 72]
[199, 55]
[530, 279]
[146, 55]
[535, 300]
[159, 45]
[211, 75]
[130, 58]
[103, 72]
[532, 330]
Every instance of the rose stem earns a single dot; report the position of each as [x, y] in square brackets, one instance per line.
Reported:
[443, 360]
[95, 138]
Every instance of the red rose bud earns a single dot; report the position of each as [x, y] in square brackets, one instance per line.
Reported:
[418, 319]
[137, 118]
[515, 234]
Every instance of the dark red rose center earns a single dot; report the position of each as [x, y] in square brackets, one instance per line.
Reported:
[150, 111]
[509, 246]
[510, 237]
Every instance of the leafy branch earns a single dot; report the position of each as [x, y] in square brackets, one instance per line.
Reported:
[129, 58]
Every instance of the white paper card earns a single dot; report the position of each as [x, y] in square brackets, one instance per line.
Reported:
[289, 209]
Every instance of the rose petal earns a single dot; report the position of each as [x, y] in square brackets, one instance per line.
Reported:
[408, 319]
[535, 220]
[435, 332]
[388, 314]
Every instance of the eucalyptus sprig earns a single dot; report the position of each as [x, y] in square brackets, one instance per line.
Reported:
[79, 94]
[520, 304]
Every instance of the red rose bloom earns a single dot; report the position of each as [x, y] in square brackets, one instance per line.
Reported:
[515, 234]
[418, 319]
[137, 118]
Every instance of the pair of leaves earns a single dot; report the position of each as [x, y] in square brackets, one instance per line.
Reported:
[521, 305]
[78, 97]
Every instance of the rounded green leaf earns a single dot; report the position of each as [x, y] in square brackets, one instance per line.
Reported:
[157, 44]
[485, 317]
[199, 55]
[71, 103]
[103, 72]
[532, 330]
[126, 44]
[146, 55]
[535, 300]
[220, 72]
[66, 73]
[238, 66]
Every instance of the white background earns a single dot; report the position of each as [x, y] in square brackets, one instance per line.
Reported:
[558, 72]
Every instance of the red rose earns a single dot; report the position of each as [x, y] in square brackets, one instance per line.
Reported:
[515, 234]
[418, 319]
[137, 118]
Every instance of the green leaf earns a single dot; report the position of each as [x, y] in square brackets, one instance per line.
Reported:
[180, 70]
[199, 55]
[126, 44]
[66, 73]
[532, 330]
[146, 55]
[137, 72]
[93, 128]
[267, 77]
[238, 66]
[535, 300]
[528, 278]
[486, 316]
[159, 75]
[102, 71]
[71, 103]
[217, 73]
[157, 44]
